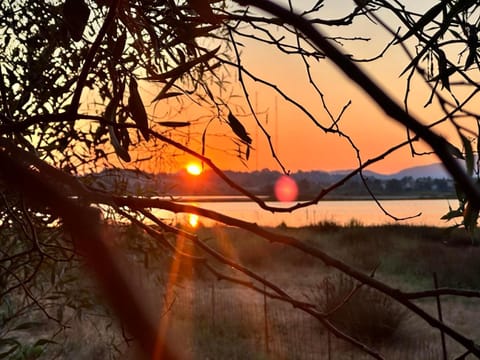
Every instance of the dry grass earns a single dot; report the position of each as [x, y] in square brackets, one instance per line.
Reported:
[357, 310]
[219, 320]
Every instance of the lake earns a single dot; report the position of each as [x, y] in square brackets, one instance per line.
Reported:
[342, 212]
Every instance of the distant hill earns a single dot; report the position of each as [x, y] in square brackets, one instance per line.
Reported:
[419, 181]
[434, 171]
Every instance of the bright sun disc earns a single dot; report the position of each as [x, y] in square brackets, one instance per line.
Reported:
[194, 169]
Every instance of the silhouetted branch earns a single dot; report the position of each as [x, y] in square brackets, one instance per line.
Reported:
[305, 248]
[390, 107]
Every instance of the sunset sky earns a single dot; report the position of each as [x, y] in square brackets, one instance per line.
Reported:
[299, 143]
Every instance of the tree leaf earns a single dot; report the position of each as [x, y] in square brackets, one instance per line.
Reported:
[137, 110]
[452, 214]
[444, 71]
[238, 128]
[119, 46]
[119, 149]
[42, 342]
[460, 194]
[28, 325]
[164, 90]
[174, 124]
[76, 14]
[470, 217]
[429, 16]
[202, 7]
[472, 42]
[444, 77]
[469, 157]
[172, 94]
[478, 143]
[8, 352]
[183, 68]
[13, 343]
[454, 151]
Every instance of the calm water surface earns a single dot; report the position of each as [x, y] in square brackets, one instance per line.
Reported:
[341, 212]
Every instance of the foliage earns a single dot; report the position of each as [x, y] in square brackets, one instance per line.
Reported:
[74, 83]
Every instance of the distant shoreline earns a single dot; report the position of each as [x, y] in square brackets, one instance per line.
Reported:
[236, 198]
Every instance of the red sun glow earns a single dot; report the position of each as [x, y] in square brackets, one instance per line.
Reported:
[194, 169]
[286, 189]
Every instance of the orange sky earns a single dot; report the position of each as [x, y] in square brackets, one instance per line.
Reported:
[299, 143]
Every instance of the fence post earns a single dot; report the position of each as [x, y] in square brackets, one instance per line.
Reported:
[213, 304]
[265, 317]
[440, 317]
[329, 340]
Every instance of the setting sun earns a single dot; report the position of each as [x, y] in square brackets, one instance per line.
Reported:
[194, 169]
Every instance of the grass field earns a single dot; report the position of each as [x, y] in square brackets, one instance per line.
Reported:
[220, 320]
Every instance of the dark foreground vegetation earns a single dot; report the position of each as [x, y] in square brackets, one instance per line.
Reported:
[220, 320]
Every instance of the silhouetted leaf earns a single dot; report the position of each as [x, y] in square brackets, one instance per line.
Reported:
[478, 139]
[444, 71]
[119, 149]
[452, 214]
[171, 94]
[444, 77]
[137, 110]
[470, 217]
[164, 95]
[42, 342]
[454, 151]
[429, 16]
[202, 7]
[174, 124]
[238, 129]
[472, 42]
[10, 342]
[183, 68]
[110, 116]
[28, 325]
[119, 46]
[469, 158]
[247, 152]
[459, 193]
[75, 14]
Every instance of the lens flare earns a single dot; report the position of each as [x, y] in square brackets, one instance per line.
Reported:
[193, 220]
[286, 189]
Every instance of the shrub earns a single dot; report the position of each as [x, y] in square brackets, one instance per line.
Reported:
[359, 311]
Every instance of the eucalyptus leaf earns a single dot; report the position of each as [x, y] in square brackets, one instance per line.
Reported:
[452, 149]
[202, 7]
[452, 214]
[470, 217]
[119, 149]
[42, 342]
[137, 109]
[76, 14]
[238, 128]
[28, 325]
[184, 68]
[428, 17]
[174, 124]
[469, 157]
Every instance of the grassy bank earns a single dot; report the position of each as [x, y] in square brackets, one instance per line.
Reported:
[409, 253]
[220, 320]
